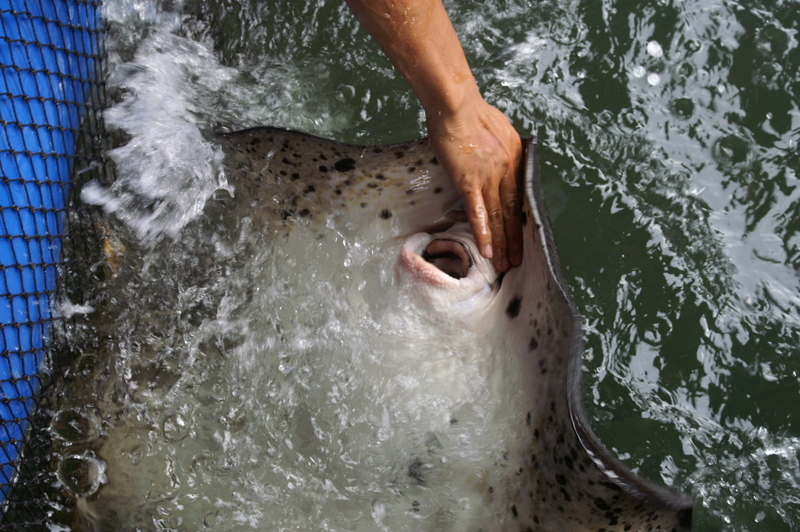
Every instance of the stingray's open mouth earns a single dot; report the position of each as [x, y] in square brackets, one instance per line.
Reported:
[450, 256]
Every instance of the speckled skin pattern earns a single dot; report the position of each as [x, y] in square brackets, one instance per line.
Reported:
[568, 481]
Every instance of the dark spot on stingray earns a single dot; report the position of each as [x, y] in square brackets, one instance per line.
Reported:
[380, 177]
[310, 188]
[553, 406]
[399, 154]
[285, 214]
[287, 161]
[255, 140]
[561, 479]
[533, 344]
[415, 506]
[285, 143]
[437, 190]
[295, 177]
[409, 191]
[412, 203]
[386, 214]
[347, 182]
[513, 307]
[412, 169]
[304, 213]
[568, 462]
[453, 420]
[535, 434]
[567, 496]
[345, 165]
[434, 160]
[600, 503]
[491, 489]
[528, 419]
[514, 510]
[550, 331]
[363, 205]
[338, 192]
[322, 156]
[372, 185]
[283, 172]
[524, 218]
[323, 168]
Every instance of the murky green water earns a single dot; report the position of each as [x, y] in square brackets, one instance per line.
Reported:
[669, 134]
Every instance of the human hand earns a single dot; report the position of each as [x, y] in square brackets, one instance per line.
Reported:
[481, 152]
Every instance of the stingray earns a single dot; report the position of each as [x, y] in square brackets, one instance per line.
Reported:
[565, 479]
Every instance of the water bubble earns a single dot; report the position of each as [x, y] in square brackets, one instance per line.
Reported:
[605, 117]
[653, 79]
[693, 46]
[682, 108]
[731, 150]
[633, 119]
[771, 42]
[82, 474]
[74, 426]
[686, 70]
[175, 426]
[654, 49]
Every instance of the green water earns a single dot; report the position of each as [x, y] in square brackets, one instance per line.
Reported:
[669, 138]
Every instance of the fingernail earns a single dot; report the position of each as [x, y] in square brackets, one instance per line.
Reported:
[504, 264]
[487, 251]
[516, 258]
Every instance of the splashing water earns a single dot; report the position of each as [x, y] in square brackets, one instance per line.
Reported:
[670, 160]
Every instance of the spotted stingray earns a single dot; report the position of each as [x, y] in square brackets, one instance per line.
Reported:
[566, 479]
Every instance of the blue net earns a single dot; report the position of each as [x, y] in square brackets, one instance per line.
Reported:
[50, 97]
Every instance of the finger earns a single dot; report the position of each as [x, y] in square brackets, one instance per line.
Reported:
[512, 218]
[496, 225]
[478, 221]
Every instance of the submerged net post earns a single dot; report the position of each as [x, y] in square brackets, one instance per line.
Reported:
[50, 63]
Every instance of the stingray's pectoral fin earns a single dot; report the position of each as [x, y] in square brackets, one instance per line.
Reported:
[576, 484]
[400, 186]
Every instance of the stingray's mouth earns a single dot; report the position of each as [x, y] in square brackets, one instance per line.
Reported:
[450, 256]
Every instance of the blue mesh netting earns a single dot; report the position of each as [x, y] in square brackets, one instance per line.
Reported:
[50, 53]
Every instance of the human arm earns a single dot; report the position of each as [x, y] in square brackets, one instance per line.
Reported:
[474, 142]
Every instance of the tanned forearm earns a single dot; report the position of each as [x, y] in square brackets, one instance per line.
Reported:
[475, 143]
[418, 38]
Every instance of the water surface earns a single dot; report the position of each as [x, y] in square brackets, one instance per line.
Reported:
[669, 134]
